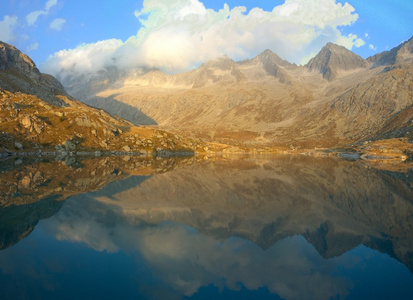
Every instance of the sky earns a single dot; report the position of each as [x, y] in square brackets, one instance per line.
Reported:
[72, 37]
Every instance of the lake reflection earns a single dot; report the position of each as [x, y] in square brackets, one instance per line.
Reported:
[289, 227]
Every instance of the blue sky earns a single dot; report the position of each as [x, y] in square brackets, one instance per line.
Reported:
[178, 35]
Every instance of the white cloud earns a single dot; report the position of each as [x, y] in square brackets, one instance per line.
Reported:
[6, 28]
[350, 41]
[32, 47]
[178, 35]
[32, 17]
[85, 59]
[57, 24]
[50, 4]
[372, 47]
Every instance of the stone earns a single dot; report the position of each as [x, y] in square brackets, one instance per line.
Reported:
[18, 145]
[25, 182]
[16, 107]
[83, 121]
[59, 114]
[69, 160]
[70, 146]
[37, 127]
[26, 121]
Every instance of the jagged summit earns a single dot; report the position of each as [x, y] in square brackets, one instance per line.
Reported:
[269, 57]
[269, 64]
[274, 65]
[401, 53]
[333, 58]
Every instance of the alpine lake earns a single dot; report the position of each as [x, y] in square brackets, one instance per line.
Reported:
[229, 227]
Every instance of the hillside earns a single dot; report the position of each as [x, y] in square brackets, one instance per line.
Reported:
[37, 115]
[337, 99]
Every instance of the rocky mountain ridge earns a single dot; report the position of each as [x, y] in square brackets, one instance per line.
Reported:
[397, 55]
[335, 100]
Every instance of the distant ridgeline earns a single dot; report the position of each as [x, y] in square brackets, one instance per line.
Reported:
[336, 99]
[261, 104]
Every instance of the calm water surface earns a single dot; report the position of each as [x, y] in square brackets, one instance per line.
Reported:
[288, 227]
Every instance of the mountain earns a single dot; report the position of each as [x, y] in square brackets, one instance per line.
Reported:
[365, 109]
[38, 115]
[338, 99]
[399, 54]
[332, 59]
[267, 64]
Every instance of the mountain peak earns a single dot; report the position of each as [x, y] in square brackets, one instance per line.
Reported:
[270, 57]
[333, 58]
[398, 54]
[271, 64]
[333, 46]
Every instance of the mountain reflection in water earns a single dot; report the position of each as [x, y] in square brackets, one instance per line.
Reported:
[291, 227]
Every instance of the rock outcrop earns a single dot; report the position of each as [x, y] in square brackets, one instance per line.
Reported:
[12, 58]
[18, 73]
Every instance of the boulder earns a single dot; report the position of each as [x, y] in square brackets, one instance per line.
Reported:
[70, 146]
